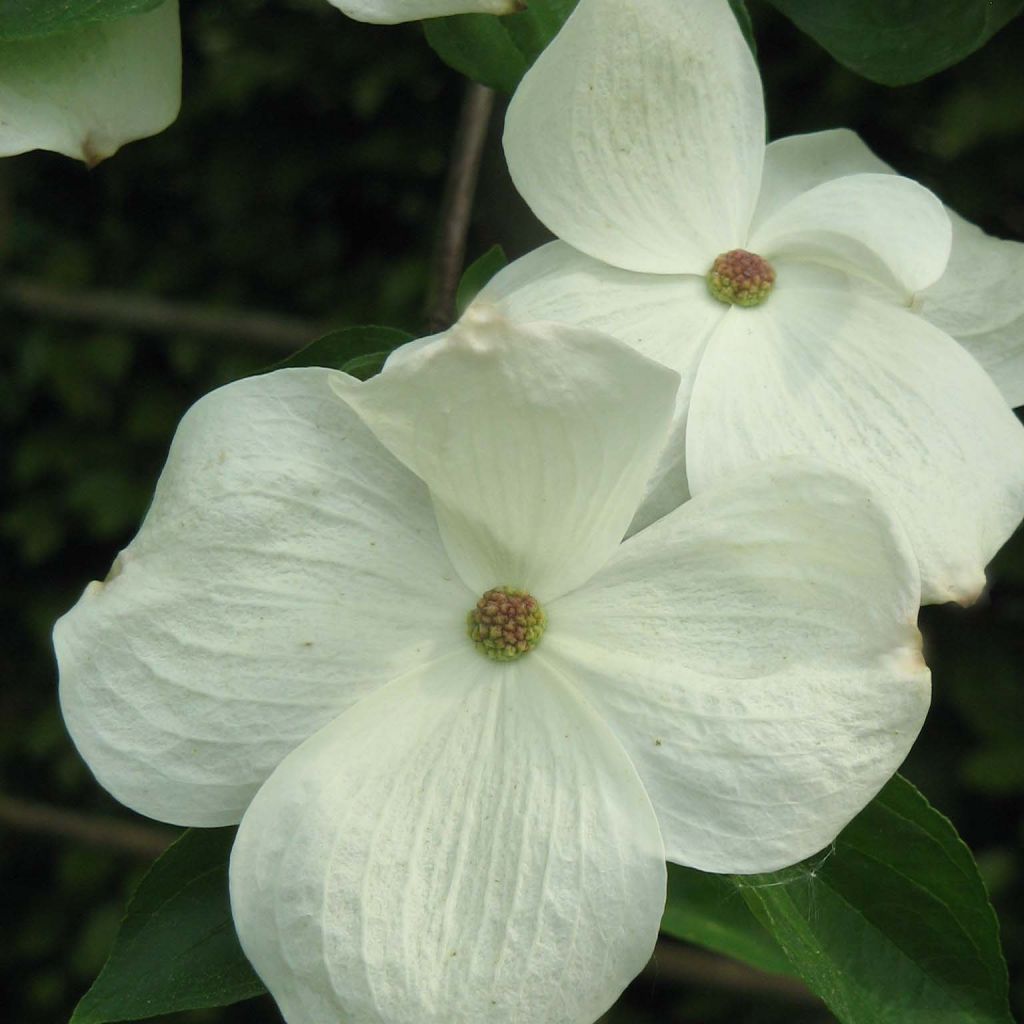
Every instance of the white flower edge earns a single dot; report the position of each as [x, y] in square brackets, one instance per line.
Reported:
[392, 12]
[978, 300]
[757, 653]
[222, 637]
[919, 420]
[535, 467]
[86, 92]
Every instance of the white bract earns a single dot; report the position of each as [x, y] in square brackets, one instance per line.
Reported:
[638, 138]
[979, 300]
[390, 12]
[87, 92]
[430, 836]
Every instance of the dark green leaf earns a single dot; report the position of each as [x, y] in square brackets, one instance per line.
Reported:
[497, 51]
[739, 8]
[900, 41]
[367, 366]
[893, 925]
[177, 948]
[350, 347]
[24, 19]
[477, 274]
[708, 911]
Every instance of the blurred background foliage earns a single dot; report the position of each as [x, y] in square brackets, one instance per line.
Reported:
[303, 178]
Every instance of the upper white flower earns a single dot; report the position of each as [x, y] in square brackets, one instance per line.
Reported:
[429, 836]
[88, 91]
[390, 12]
[638, 138]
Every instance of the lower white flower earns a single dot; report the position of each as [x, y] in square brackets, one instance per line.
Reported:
[86, 92]
[398, 635]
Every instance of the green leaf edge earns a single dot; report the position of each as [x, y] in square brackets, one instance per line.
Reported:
[994, 19]
[347, 349]
[476, 276]
[14, 28]
[82, 1013]
[905, 789]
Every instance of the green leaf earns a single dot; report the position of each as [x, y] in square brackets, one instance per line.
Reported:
[900, 41]
[893, 925]
[26, 19]
[739, 8]
[353, 349]
[709, 911]
[477, 274]
[497, 51]
[177, 948]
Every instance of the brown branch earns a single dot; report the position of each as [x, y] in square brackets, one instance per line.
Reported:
[457, 206]
[134, 312]
[147, 841]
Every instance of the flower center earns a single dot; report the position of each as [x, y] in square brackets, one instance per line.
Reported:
[741, 278]
[506, 623]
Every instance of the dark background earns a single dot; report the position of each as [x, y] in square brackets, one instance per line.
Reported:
[303, 178]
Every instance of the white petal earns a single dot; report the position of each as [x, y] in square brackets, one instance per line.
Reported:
[469, 845]
[980, 301]
[881, 226]
[756, 652]
[87, 92]
[879, 392]
[535, 441]
[638, 135]
[667, 317]
[797, 163]
[391, 12]
[287, 566]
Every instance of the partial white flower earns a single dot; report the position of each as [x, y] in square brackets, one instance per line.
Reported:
[87, 92]
[766, 279]
[432, 835]
[978, 300]
[391, 12]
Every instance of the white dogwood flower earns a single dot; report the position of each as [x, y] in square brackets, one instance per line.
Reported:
[978, 300]
[391, 12]
[86, 92]
[396, 633]
[764, 276]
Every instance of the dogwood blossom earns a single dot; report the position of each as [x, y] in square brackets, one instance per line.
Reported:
[86, 92]
[638, 139]
[397, 634]
[390, 12]
[978, 300]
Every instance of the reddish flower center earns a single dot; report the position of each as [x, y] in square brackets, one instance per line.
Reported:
[506, 623]
[741, 278]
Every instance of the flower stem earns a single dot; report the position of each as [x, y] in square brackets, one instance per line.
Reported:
[457, 206]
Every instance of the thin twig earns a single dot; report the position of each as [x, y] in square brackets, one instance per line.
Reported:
[457, 206]
[146, 841]
[130, 311]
